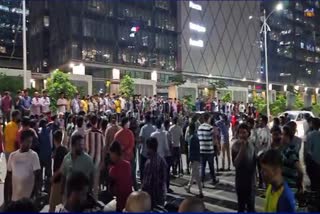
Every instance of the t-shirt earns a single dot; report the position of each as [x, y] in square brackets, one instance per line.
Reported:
[63, 103]
[23, 165]
[10, 136]
[281, 200]
[117, 104]
[205, 135]
[176, 135]
[126, 138]
[145, 133]
[313, 146]
[163, 146]
[120, 174]
[83, 163]
[59, 155]
[289, 171]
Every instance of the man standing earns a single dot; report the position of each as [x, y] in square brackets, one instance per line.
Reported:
[145, 133]
[45, 103]
[6, 105]
[26, 103]
[94, 142]
[75, 104]
[111, 132]
[36, 105]
[205, 135]
[24, 169]
[176, 139]
[62, 103]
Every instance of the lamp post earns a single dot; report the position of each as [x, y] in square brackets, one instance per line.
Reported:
[24, 42]
[265, 29]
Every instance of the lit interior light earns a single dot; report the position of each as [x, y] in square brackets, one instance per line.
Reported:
[196, 27]
[195, 6]
[154, 75]
[244, 79]
[132, 35]
[258, 80]
[285, 87]
[197, 43]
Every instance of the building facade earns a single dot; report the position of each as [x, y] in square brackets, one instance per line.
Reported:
[11, 34]
[294, 43]
[105, 39]
[218, 41]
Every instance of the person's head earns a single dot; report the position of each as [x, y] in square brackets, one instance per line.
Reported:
[43, 123]
[94, 120]
[192, 204]
[282, 120]
[61, 95]
[22, 205]
[276, 134]
[158, 123]
[26, 139]
[147, 118]
[77, 95]
[77, 191]
[36, 94]
[104, 124]
[138, 201]
[276, 121]
[263, 121]
[16, 116]
[25, 92]
[25, 122]
[315, 123]
[243, 132]
[113, 119]
[152, 145]
[192, 128]
[80, 121]
[44, 93]
[77, 143]
[125, 123]
[293, 126]
[206, 117]
[57, 137]
[166, 124]
[271, 166]
[287, 135]
[175, 120]
[250, 123]
[19, 93]
[115, 151]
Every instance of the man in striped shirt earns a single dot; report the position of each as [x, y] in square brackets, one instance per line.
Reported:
[94, 142]
[205, 135]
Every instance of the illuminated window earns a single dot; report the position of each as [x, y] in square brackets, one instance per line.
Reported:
[196, 43]
[195, 6]
[197, 27]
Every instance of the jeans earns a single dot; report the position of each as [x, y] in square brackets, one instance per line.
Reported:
[204, 158]
[313, 171]
[195, 175]
[46, 180]
[176, 159]
[246, 198]
[133, 174]
[143, 161]
[169, 164]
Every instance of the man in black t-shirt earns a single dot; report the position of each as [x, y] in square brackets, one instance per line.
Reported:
[59, 153]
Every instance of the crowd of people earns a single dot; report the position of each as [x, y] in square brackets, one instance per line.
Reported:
[92, 148]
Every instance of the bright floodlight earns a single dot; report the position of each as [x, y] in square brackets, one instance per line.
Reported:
[250, 17]
[279, 7]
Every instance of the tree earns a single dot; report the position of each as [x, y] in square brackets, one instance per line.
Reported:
[57, 83]
[127, 86]
[216, 85]
[260, 104]
[177, 80]
[227, 97]
[279, 105]
[10, 83]
[189, 101]
[299, 103]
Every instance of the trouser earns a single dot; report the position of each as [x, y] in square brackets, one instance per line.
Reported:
[313, 171]
[5, 118]
[46, 180]
[260, 173]
[7, 191]
[143, 161]
[225, 150]
[133, 174]
[96, 183]
[176, 159]
[195, 175]
[186, 149]
[169, 164]
[55, 196]
[246, 198]
[204, 158]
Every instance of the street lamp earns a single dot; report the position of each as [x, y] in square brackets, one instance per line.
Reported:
[265, 29]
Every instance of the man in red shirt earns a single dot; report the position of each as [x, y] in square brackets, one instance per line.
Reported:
[126, 139]
[6, 105]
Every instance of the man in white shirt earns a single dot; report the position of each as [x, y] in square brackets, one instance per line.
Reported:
[176, 138]
[62, 103]
[24, 169]
[36, 105]
[45, 102]
[75, 104]
[242, 108]
[123, 103]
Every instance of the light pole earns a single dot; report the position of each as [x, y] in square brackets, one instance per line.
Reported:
[24, 42]
[264, 29]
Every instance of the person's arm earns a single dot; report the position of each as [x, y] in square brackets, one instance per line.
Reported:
[238, 157]
[300, 176]
[37, 182]
[9, 177]
[141, 136]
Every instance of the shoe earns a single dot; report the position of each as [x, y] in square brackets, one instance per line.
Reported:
[221, 169]
[201, 195]
[170, 190]
[215, 181]
[229, 169]
[187, 190]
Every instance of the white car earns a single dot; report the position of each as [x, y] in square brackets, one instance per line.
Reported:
[298, 117]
